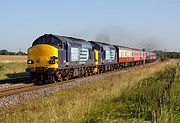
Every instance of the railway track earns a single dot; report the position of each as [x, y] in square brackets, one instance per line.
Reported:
[15, 87]
[27, 87]
[30, 87]
[13, 84]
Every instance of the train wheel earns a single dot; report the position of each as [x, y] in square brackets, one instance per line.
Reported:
[59, 76]
[52, 79]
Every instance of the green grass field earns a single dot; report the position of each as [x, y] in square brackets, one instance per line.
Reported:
[15, 69]
[136, 104]
[123, 97]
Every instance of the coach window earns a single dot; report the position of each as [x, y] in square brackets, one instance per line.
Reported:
[126, 54]
[132, 53]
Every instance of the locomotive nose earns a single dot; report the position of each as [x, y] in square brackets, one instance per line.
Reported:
[41, 56]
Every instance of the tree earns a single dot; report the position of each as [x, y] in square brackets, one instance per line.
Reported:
[168, 55]
[4, 52]
[20, 53]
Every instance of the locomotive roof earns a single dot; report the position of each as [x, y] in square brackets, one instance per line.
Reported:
[101, 45]
[88, 44]
[77, 42]
[124, 47]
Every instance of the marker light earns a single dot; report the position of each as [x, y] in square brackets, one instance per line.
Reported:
[30, 62]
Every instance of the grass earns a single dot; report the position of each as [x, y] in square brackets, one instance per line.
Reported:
[109, 99]
[9, 70]
[171, 113]
[133, 104]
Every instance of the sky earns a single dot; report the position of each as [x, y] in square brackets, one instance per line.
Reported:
[153, 24]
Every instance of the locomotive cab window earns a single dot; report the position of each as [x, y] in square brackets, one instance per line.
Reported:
[56, 42]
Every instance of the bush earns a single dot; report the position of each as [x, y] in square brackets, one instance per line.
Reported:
[168, 55]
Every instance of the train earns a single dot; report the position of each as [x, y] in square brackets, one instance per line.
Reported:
[53, 58]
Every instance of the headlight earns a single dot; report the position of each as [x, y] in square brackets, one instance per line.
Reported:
[51, 61]
[30, 62]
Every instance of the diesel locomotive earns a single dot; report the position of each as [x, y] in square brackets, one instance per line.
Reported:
[53, 58]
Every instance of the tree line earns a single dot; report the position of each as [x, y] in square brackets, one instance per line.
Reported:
[5, 52]
[168, 55]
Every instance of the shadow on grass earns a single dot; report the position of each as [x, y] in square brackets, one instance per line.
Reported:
[14, 75]
[20, 76]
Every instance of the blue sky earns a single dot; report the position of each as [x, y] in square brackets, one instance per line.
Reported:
[135, 23]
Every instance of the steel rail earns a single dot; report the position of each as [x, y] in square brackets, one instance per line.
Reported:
[15, 87]
[9, 92]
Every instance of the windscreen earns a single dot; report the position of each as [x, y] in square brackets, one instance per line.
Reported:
[48, 40]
